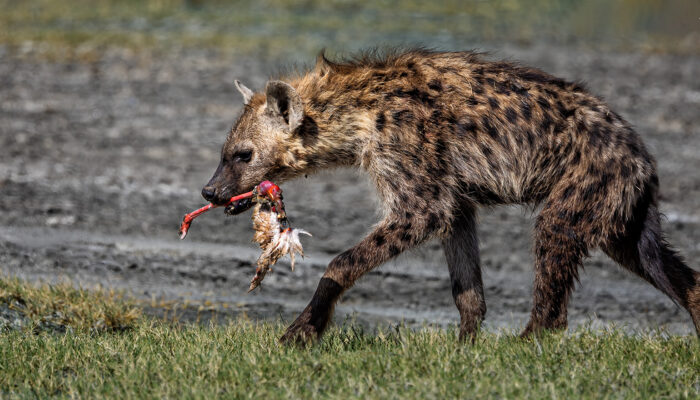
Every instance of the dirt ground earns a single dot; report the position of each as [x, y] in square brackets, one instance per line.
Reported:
[100, 160]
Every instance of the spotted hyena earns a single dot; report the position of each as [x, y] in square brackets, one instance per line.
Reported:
[442, 133]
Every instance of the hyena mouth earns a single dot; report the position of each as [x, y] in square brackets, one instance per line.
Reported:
[239, 206]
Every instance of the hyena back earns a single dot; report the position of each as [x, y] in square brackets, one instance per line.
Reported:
[442, 133]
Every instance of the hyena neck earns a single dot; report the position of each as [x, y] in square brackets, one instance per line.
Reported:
[333, 131]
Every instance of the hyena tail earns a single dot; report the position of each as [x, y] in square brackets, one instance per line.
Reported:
[644, 251]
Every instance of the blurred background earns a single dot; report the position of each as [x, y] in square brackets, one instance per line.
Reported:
[112, 114]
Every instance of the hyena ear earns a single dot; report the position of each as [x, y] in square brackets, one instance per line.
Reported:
[283, 100]
[323, 65]
[247, 93]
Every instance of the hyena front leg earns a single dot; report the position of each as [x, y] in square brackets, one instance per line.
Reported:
[393, 235]
[462, 254]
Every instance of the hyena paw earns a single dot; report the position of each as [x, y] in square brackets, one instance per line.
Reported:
[299, 333]
[537, 328]
[469, 331]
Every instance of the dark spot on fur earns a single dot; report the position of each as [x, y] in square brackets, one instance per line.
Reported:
[576, 158]
[576, 217]
[636, 149]
[526, 110]
[433, 222]
[380, 122]
[403, 197]
[493, 164]
[624, 171]
[464, 128]
[379, 240]
[560, 127]
[511, 115]
[530, 137]
[565, 111]
[493, 103]
[489, 128]
[416, 95]
[347, 257]
[405, 171]
[519, 142]
[486, 150]
[394, 185]
[550, 93]
[308, 130]
[589, 192]
[546, 122]
[596, 135]
[447, 117]
[593, 170]
[393, 251]
[421, 128]
[402, 117]
[440, 149]
[567, 193]
[435, 85]
[518, 88]
[435, 190]
[502, 88]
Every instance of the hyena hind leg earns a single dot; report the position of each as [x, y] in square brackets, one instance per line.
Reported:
[559, 250]
[644, 251]
[462, 254]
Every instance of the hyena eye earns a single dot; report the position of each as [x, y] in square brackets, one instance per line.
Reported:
[243, 156]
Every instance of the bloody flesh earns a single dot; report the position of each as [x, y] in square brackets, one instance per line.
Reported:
[272, 231]
[264, 190]
[187, 221]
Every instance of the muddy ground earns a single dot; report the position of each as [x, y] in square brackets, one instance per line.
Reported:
[100, 160]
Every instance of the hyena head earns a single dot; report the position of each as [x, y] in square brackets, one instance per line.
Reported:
[261, 145]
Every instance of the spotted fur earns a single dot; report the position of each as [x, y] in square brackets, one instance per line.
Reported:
[443, 133]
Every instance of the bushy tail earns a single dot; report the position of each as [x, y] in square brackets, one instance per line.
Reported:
[644, 251]
[665, 269]
[656, 258]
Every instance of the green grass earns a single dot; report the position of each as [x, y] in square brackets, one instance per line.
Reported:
[62, 307]
[155, 359]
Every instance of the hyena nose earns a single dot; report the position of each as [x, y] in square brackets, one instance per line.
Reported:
[208, 193]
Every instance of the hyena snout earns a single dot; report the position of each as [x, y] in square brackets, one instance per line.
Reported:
[209, 193]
